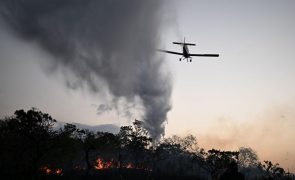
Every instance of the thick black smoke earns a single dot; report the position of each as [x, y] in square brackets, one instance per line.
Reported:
[109, 41]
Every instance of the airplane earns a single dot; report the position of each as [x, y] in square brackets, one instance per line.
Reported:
[185, 52]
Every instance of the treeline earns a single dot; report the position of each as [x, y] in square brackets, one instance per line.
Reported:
[31, 148]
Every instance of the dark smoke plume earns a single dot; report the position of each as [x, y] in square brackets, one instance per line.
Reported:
[101, 41]
[102, 108]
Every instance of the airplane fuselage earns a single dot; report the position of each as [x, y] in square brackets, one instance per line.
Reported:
[185, 51]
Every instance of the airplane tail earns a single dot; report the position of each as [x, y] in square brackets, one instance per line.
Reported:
[184, 43]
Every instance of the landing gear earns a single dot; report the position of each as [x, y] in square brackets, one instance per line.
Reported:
[187, 59]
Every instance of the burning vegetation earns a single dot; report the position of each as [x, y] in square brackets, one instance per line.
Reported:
[32, 149]
[48, 171]
[101, 164]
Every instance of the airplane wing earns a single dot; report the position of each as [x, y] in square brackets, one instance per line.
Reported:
[206, 55]
[171, 52]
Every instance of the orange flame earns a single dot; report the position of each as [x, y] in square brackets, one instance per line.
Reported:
[48, 171]
[101, 165]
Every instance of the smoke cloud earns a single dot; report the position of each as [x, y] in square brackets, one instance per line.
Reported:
[107, 43]
[102, 108]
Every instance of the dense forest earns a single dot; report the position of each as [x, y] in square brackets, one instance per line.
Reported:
[31, 148]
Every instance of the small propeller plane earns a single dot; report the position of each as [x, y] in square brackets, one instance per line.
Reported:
[185, 52]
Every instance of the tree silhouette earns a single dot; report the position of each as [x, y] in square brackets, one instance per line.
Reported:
[26, 142]
[135, 141]
[272, 171]
[31, 148]
[247, 158]
[215, 161]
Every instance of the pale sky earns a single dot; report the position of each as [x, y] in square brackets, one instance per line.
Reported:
[256, 67]
[246, 97]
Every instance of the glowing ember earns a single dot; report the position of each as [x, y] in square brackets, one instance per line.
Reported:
[49, 171]
[58, 171]
[101, 164]
[130, 166]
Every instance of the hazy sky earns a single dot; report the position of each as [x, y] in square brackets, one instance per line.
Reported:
[246, 97]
